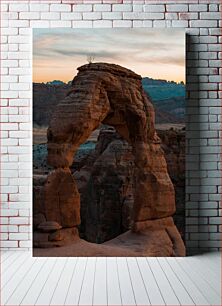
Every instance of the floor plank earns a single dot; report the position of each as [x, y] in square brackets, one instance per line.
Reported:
[152, 288]
[100, 283]
[86, 294]
[47, 291]
[14, 269]
[4, 255]
[182, 295]
[11, 261]
[126, 289]
[137, 282]
[211, 260]
[37, 285]
[63, 284]
[110, 281]
[208, 292]
[113, 285]
[205, 271]
[190, 286]
[75, 286]
[165, 287]
[10, 287]
[20, 291]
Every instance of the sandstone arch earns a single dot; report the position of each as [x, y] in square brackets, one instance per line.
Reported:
[110, 94]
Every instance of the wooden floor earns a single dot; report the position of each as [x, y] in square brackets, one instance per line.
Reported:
[110, 281]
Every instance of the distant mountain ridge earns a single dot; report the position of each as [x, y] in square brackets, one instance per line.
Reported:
[151, 81]
[145, 81]
[168, 98]
[56, 82]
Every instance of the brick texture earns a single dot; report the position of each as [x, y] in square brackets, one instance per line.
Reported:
[201, 21]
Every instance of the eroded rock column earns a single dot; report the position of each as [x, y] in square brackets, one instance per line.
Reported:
[154, 192]
[62, 199]
[61, 210]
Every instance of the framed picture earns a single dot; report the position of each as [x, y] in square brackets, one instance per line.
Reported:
[108, 142]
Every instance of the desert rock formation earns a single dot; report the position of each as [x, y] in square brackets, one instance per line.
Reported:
[113, 95]
[105, 181]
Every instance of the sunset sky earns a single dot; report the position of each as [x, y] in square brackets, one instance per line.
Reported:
[156, 53]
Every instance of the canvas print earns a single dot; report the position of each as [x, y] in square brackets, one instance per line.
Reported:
[108, 142]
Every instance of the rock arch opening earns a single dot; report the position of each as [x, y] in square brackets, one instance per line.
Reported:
[113, 95]
[105, 182]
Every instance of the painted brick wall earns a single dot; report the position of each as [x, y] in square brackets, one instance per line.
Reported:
[200, 18]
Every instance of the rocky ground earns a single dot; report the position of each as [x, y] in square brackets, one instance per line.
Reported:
[154, 243]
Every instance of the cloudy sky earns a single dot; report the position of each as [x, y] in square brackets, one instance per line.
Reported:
[156, 53]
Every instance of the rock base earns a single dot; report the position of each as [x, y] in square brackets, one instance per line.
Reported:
[156, 243]
[149, 238]
[164, 225]
[58, 238]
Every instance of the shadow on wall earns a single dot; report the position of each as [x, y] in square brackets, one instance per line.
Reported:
[193, 154]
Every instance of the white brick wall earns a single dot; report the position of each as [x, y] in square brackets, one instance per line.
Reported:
[201, 20]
